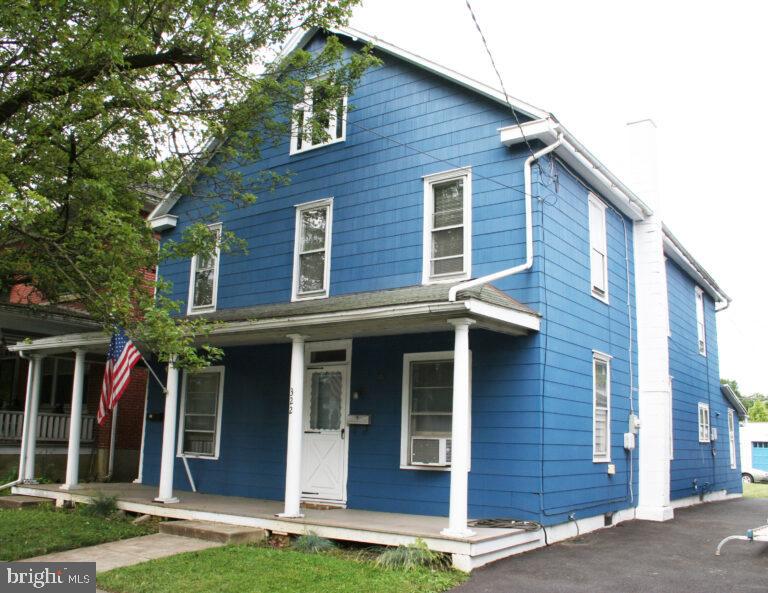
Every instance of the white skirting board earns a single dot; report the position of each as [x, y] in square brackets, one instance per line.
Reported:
[715, 496]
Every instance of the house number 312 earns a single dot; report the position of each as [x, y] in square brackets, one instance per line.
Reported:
[290, 402]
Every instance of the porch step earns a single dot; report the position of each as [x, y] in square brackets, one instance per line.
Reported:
[18, 501]
[214, 532]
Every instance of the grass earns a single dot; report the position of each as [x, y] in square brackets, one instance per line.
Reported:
[237, 569]
[755, 490]
[34, 532]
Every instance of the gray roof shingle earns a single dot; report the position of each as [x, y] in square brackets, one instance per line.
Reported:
[365, 300]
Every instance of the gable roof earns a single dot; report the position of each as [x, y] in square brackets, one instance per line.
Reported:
[543, 123]
[301, 38]
[733, 399]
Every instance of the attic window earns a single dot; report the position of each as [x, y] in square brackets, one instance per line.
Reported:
[331, 120]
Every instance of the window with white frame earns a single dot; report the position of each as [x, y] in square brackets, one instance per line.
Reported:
[703, 423]
[315, 122]
[447, 225]
[311, 264]
[601, 387]
[200, 418]
[204, 278]
[701, 328]
[732, 438]
[427, 410]
[598, 248]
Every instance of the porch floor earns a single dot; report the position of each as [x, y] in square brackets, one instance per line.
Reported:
[344, 524]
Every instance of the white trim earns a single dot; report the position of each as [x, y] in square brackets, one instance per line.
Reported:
[606, 359]
[498, 313]
[465, 174]
[326, 203]
[325, 346]
[704, 422]
[701, 322]
[97, 339]
[163, 222]
[599, 244]
[405, 408]
[307, 109]
[217, 441]
[716, 496]
[191, 309]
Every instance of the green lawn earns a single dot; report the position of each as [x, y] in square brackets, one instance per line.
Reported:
[33, 532]
[755, 490]
[252, 569]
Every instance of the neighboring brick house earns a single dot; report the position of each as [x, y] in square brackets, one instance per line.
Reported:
[24, 313]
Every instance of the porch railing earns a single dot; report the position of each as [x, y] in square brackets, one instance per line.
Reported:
[50, 427]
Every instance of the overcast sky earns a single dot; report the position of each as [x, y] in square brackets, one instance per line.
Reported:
[697, 69]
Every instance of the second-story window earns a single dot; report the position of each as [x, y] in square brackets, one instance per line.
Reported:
[311, 265]
[701, 329]
[447, 226]
[317, 123]
[598, 248]
[204, 279]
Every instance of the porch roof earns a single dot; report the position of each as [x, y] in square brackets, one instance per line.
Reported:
[414, 309]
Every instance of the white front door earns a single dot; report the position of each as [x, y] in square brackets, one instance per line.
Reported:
[324, 453]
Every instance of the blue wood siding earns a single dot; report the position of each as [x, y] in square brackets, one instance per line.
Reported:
[378, 192]
[696, 378]
[505, 415]
[574, 325]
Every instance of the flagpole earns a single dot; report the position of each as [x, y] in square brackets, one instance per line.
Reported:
[152, 371]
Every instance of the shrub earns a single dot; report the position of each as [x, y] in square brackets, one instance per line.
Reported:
[102, 506]
[10, 476]
[312, 543]
[412, 556]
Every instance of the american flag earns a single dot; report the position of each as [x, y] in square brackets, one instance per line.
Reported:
[122, 356]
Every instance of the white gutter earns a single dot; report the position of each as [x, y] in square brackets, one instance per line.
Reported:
[528, 227]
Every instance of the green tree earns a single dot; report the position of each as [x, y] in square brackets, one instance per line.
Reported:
[758, 411]
[105, 101]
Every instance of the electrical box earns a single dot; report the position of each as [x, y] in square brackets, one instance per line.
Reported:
[611, 469]
[629, 441]
[359, 419]
[713, 434]
[634, 423]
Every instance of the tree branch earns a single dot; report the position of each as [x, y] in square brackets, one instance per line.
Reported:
[65, 82]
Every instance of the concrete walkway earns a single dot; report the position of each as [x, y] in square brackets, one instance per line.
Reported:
[129, 551]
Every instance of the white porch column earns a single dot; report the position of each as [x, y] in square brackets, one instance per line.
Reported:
[36, 370]
[75, 422]
[295, 430]
[168, 455]
[31, 363]
[460, 445]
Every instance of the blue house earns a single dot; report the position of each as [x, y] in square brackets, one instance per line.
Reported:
[453, 313]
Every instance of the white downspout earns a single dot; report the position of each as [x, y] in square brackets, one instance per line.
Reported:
[528, 227]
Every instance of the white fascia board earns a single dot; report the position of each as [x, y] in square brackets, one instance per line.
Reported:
[163, 222]
[674, 250]
[501, 314]
[734, 400]
[583, 162]
[544, 130]
[300, 38]
[64, 342]
[504, 315]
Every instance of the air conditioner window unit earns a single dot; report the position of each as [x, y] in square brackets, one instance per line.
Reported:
[435, 451]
